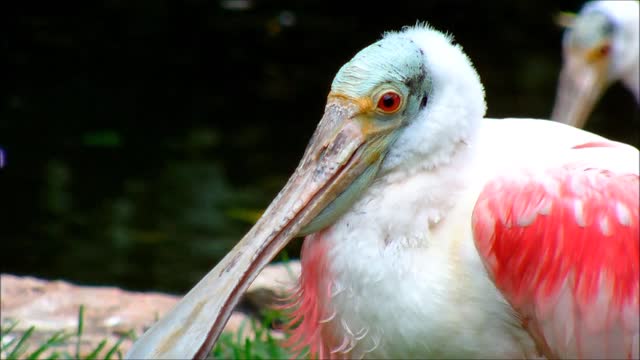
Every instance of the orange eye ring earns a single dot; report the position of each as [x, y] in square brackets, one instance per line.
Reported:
[599, 52]
[389, 102]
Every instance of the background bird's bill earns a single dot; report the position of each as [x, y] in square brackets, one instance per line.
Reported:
[340, 160]
[583, 77]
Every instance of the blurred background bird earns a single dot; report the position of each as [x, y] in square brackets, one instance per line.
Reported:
[600, 46]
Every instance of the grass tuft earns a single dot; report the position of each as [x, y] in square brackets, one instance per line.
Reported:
[261, 345]
[15, 347]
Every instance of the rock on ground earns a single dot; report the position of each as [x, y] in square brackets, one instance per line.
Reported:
[109, 312]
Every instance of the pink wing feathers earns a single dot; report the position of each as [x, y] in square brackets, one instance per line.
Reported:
[308, 306]
[562, 245]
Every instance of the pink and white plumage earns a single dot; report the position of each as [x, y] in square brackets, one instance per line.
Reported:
[562, 246]
[437, 233]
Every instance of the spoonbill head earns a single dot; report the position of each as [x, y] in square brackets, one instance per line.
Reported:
[433, 232]
[600, 46]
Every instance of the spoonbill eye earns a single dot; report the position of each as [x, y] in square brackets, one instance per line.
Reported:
[604, 50]
[389, 102]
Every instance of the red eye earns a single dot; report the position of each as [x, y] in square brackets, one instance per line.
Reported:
[389, 102]
[604, 50]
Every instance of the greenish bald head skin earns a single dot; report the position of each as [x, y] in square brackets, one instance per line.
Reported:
[393, 59]
[392, 63]
[396, 64]
[590, 30]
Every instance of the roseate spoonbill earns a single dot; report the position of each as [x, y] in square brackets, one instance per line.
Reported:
[600, 46]
[432, 232]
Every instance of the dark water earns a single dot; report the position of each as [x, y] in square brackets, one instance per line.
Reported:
[143, 138]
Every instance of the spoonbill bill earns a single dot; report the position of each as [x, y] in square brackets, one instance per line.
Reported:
[600, 46]
[433, 232]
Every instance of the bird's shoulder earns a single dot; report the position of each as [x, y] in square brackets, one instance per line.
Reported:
[560, 240]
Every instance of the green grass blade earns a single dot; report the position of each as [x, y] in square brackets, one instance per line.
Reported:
[57, 338]
[8, 329]
[80, 329]
[256, 329]
[247, 349]
[19, 348]
[8, 344]
[243, 323]
[94, 354]
[274, 350]
[116, 346]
